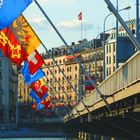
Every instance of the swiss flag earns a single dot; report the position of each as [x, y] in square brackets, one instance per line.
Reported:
[35, 61]
[40, 88]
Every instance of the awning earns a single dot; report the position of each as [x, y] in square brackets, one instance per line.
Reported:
[70, 57]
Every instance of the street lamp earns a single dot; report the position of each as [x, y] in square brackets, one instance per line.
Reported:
[95, 57]
[126, 8]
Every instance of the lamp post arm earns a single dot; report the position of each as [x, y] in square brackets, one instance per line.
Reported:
[119, 18]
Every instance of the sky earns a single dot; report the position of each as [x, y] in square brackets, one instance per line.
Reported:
[64, 15]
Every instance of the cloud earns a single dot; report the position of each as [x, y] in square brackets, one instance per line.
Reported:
[57, 2]
[75, 25]
[38, 21]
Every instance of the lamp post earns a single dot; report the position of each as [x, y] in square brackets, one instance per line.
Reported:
[137, 21]
[126, 8]
[116, 35]
[95, 57]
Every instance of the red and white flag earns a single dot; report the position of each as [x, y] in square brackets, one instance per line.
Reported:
[80, 16]
[35, 61]
[40, 88]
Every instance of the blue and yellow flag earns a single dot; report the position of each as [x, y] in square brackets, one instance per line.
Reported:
[10, 10]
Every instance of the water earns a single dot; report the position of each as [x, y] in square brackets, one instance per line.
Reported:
[58, 136]
[61, 133]
[36, 139]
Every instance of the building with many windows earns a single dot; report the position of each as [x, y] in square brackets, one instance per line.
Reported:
[116, 56]
[58, 85]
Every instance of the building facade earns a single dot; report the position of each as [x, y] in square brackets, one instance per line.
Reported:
[115, 56]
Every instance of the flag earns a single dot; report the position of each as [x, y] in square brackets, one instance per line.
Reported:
[28, 77]
[25, 34]
[39, 87]
[34, 106]
[11, 47]
[80, 16]
[39, 102]
[88, 85]
[35, 61]
[46, 102]
[10, 10]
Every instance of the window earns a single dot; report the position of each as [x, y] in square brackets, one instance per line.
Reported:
[114, 47]
[47, 73]
[62, 78]
[75, 68]
[107, 59]
[59, 79]
[55, 71]
[114, 59]
[70, 69]
[67, 69]
[68, 77]
[107, 49]
[109, 70]
[59, 61]
[113, 68]
[75, 76]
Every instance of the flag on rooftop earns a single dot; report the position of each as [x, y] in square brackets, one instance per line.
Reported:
[10, 10]
[11, 47]
[25, 34]
[80, 16]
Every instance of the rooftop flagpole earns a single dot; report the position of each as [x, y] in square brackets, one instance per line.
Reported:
[80, 17]
[84, 70]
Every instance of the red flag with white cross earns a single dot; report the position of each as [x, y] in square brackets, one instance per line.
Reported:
[35, 61]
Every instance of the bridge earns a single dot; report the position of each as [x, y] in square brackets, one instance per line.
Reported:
[121, 90]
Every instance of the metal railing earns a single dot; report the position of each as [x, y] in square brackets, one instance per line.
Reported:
[126, 75]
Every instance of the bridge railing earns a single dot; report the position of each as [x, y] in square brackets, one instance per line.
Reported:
[124, 76]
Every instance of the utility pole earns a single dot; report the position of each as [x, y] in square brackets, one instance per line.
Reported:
[116, 34]
[137, 21]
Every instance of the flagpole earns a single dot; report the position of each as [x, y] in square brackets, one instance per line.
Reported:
[81, 29]
[84, 70]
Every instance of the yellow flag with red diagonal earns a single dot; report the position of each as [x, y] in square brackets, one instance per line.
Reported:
[25, 34]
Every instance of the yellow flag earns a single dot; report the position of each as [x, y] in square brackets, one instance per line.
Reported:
[25, 34]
